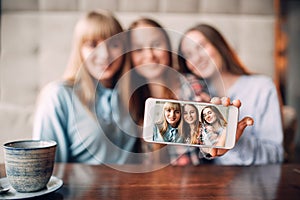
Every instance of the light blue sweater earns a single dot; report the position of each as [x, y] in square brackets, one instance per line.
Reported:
[171, 135]
[82, 137]
[261, 143]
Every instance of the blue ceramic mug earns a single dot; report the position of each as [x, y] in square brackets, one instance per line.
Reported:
[29, 164]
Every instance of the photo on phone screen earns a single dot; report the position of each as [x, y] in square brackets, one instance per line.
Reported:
[189, 123]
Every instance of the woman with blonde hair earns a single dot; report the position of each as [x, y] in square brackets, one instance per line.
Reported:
[166, 130]
[78, 111]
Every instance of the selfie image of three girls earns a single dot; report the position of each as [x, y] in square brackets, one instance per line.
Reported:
[187, 123]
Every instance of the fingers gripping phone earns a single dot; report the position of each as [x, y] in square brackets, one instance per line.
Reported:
[190, 123]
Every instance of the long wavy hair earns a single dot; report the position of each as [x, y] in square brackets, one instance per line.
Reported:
[220, 118]
[186, 128]
[142, 92]
[231, 61]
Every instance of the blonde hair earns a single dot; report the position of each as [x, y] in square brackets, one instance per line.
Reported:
[93, 26]
[163, 124]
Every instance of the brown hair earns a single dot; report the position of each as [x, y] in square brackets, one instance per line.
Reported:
[139, 96]
[220, 118]
[231, 61]
[186, 129]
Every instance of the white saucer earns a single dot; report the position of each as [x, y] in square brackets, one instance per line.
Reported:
[53, 185]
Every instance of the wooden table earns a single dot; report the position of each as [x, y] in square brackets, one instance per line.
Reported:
[190, 182]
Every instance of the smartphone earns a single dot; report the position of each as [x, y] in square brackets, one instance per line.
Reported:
[190, 123]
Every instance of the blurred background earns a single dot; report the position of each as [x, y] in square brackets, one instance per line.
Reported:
[36, 40]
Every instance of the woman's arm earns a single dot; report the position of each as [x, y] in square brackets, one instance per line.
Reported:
[262, 143]
[50, 121]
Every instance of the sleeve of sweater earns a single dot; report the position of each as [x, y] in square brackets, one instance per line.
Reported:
[261, 143]
[50, 122]
[268, 131]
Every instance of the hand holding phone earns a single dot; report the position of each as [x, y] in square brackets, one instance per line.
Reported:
[190, 123]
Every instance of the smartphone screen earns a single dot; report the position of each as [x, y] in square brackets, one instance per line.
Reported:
[190, 123]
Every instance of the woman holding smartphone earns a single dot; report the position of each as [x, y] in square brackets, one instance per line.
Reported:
[205, 53]
[152, 66]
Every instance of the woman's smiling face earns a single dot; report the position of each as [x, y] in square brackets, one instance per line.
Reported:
[209, 115]
[190, 114]
[103, 58]
[202, 58]
[149, 51]
[172, 116]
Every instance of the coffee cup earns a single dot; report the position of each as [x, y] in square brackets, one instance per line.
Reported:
[29, 164]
